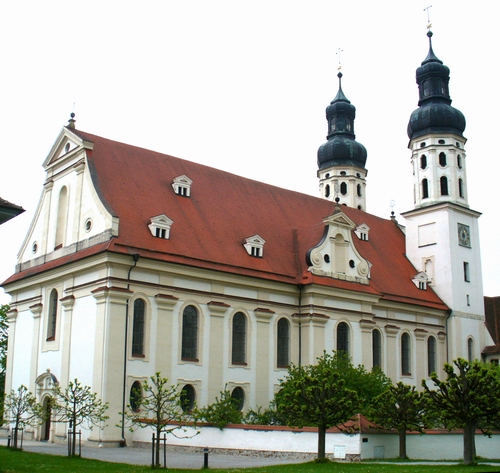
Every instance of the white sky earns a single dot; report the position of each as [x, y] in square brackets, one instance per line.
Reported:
[243, 86]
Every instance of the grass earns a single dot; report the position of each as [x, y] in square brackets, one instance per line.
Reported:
[12, 461]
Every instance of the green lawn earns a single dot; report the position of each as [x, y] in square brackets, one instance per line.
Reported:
[17, 461]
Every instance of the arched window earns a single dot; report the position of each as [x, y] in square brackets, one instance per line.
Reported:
[138, 328]
[343, 188]
[431, 355]
[283, 343]
[460, 188]
[443, 181]
[405, 355]
[188, 398]
[52, 319]
[358, 188]
[62, 212]
[239, 396]
[423, 161]
[343, 337]
[377, 348]
[190, 334]
[442, 159]
[459, 161]
[135, 396]
[327, 190]
[238, 354]
[425, 188]
[470, 349]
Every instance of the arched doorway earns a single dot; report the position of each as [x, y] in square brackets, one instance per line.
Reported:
[45, 384]
[47, 408]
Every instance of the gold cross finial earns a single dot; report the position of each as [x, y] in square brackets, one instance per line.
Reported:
[338, 53]
[429, 24]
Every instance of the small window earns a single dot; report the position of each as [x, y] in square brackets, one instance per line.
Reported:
[459, 161]
[441, 142]
[239, 396]
[255, 246]
[189, 351]
[138, 328]
[377, 348]
[423, 161]
[466, 272]
[135, 399]
[160, 226]
[238, 354]
[470, 350]
[468, 300]
[52, 322]
[423, 144]
[443, 181]
[343, 173]
[442, 159]
[67, 147]
[358, 190]
[182, 186]
[327, 190]
[422, 285]
[188, 398]
[283, 343]
[352, 264]
[431, 355]
[343, 337]
[405, 355]
[88, 225]
[460, 188]
[326, 258]
[343, 188]
[34, 247]
[425, 188]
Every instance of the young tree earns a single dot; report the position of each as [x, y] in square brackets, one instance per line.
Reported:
[4, 334]
[22, 409]
[403, 408]
[468, 399]
[78, 405]
[316, 395]
[161, 407]
[222, 412]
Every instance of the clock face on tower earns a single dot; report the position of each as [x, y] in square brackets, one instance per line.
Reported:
[463, 235]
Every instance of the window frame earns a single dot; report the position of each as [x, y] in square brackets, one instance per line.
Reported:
[376, 349]
[193, 331]
[431, 355]
[405, 354]
[283, 343]
[139, 329]
[342, 337]
[52, 315]
[239, 336]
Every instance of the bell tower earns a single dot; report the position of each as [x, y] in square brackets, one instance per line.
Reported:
[442, 235]
[341, 160]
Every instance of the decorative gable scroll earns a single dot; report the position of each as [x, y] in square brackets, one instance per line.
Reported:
[421, 280]
[160, 226]
[255, 246]
[182, 185]
[335, 255]
[362, 231]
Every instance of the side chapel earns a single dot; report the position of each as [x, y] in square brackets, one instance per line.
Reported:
[138, 262]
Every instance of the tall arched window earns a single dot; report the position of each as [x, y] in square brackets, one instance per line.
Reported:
[460, 188]
[459, 161]
[442, 159]
[189, 349]
[470, 349]
[405, 355]
[443, 181]
[188, 398]
[358, 187]
[423, 161]
[425, 188]
[283, 343]
[239, 396]
[377, 348]
[343, 337]
[343, 188]
[238, 353]
[327, 190]
[431, 355]
[138, 327]
[52, 319]
[62, 212]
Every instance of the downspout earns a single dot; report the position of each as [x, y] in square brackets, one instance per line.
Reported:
[123, 443]
[447, 337]
[300, 286]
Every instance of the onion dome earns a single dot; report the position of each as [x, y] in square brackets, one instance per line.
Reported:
[341, 149]
[434, 113]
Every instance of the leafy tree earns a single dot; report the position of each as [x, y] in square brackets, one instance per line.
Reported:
[468, 399]
[78, 405]
[260, 416]
[222, 412]
[4, 333]
[22, 410]
[159, 406]
[316, 395]
[403, 408]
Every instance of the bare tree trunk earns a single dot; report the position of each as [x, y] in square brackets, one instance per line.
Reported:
[157, 450]
[402, 443]
[321, 442]
[469, 444]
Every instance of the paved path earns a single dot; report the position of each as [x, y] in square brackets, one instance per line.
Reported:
[142, 456]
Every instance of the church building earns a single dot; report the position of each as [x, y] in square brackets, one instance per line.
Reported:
[138, 262]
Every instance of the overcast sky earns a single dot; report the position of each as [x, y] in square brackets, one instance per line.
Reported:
[243, 86]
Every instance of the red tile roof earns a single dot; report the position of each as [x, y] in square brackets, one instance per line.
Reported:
[210, 227]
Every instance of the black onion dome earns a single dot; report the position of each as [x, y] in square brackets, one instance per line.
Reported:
[434, 113]
[341, 147]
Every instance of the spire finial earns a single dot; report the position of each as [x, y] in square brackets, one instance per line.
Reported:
[429, 24]
[71, 121]
[338, 54]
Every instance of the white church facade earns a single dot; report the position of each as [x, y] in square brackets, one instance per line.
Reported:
[138, 262]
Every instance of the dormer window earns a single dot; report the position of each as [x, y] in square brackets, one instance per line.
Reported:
[182, 186]
[362, 231]
[160, 226]
[420, 280]
[255, 246]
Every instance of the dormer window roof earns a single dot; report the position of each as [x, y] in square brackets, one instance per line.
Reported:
[255, 246]
[182, 185]
[361, 231]
[421, 280]
[160, 226]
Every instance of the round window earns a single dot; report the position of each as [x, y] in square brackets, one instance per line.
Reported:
[136, 396]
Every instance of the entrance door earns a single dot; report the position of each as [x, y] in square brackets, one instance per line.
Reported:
[46, 426]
